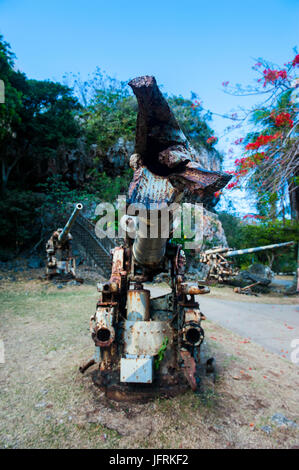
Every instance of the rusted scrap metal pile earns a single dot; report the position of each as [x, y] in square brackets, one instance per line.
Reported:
[144, 345]
[60, 261]
[220, 269]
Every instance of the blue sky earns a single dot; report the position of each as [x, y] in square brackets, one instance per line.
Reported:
[188, 44]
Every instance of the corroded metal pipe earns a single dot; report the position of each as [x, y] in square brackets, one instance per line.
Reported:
[86, 366]
[150, 244]
[103, 333]
[138, 305]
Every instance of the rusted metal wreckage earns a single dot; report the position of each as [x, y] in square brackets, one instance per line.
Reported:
[220, 269]
[146, 346]
[60, 262]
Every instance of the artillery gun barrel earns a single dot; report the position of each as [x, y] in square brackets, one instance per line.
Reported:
[149, 250]
[257, 248]
[70, 222]
[216, 250]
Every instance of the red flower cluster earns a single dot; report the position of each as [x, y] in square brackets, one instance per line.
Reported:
[262, 140]
[212, 140]
[296, 61]
[245, 163]
[217, 194]
[271, 76]
[283, 119]
[225, 83]
[239, 141]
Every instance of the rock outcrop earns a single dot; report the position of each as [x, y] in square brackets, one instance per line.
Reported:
[213, 232]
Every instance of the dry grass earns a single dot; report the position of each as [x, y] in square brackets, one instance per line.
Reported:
[46, 403]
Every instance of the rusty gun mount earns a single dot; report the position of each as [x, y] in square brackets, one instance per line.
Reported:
[60, 261]
[146, 345]
[221, 269]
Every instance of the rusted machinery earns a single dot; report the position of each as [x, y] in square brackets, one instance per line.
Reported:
[221, 269]
[147, 345]
[60, 261]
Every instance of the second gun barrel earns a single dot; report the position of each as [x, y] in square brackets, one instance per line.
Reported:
[70, 222]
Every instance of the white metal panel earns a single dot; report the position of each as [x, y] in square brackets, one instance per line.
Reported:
[136, 370]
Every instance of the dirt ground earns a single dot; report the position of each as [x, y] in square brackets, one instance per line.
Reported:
[46, 403]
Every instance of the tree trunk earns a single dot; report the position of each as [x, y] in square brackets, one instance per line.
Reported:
[271, 258]
[297, 271]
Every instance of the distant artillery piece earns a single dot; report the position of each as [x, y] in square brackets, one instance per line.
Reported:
[60, 261]
[221, 269]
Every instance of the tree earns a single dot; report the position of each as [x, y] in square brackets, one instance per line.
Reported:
[194, 122]
[19, 221]
[9, 111]
[37, 119]
[269, 233]
[241, 234]
[111, 113]
[48, 128]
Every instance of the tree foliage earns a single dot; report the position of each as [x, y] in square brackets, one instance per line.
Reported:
[19, 221]
[37, 120]
[194, 122]
[44, 124]
[241, 235]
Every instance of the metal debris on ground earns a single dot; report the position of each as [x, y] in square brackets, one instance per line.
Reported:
[221, 269]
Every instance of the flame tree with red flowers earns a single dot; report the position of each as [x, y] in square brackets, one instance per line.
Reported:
[269, 165]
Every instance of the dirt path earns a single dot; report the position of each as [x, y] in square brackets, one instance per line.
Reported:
[263, 320]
